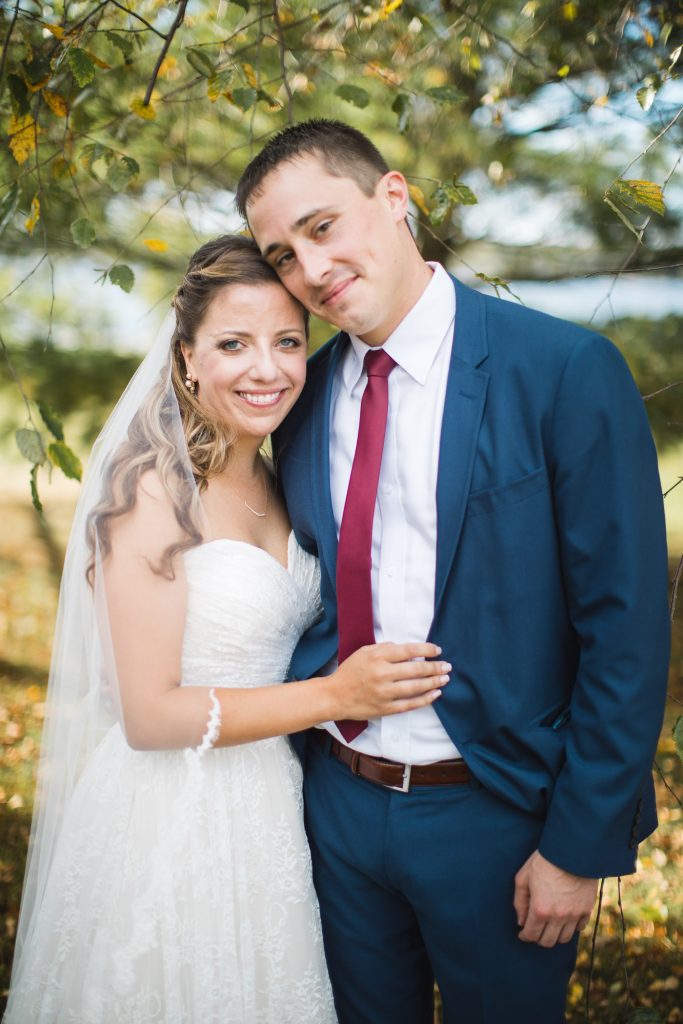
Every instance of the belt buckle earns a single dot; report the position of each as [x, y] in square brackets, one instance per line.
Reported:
[405, 783]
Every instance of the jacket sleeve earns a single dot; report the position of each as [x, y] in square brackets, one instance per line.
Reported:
[609, 511]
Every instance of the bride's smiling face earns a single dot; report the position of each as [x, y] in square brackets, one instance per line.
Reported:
[249, 357]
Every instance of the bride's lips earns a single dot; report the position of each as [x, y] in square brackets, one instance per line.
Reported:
[335, 294]
[261, 399]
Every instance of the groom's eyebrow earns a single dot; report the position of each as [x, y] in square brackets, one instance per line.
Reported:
[296, 226]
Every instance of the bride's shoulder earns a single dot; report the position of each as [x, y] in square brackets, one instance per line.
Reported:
[147, 522]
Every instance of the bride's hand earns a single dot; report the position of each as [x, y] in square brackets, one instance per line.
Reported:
[384, 679]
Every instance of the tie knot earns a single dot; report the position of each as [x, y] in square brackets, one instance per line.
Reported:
[378, 363]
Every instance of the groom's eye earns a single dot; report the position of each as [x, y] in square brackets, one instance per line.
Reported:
[282, 261]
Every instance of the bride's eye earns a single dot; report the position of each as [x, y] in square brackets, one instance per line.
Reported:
[290, 343]
[230, 345]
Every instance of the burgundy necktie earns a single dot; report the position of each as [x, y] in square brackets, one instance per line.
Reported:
[354, 553]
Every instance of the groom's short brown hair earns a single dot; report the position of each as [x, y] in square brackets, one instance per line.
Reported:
[343, 151]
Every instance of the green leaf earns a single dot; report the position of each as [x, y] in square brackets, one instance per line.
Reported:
[441, 206]
[244, 98]
[678, 735]
[244, 4]
[645, 1015]
[93, 152]
[403, 107]
[35, 497]
[20, 97]
[461, 193]
[83, 232]
[200, 62]
[121, 172]
[123, 276]
[645, 96]
[37, 70]
[445, 94]
[51, 420]
[642, 193]
[80, 65]
[8, 205]
[122, 43]
[30, 444]
[353, 94]
[65, 459]
[218, 84]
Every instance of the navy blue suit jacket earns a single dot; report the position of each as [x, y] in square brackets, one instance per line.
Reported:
[551, 571]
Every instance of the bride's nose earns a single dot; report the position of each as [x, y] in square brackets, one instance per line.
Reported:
[263, 366]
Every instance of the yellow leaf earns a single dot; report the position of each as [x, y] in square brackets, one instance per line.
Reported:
[417, 195]
[96, 60]
[601, 101]
[147, 113]
[563, 71]
[649, 39]
[250, 75]
[388, 7]
[34, 693]
[22, 137]
[56, 30]
[286, 17]
[56, 103]
[167, 64]
[34, 215]
[569, 10]
[155, 244]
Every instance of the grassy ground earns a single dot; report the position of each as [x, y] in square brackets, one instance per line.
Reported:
[646, 972]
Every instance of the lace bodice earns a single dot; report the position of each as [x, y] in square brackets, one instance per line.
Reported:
[246, 612]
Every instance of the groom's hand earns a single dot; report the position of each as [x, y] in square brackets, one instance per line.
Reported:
[551, 904]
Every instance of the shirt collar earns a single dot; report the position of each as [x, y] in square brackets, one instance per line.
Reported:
[417, 339]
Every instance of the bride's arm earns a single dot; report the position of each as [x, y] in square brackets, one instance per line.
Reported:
[146, 613]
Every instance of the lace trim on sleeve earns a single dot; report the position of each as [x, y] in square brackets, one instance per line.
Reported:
[213, 727]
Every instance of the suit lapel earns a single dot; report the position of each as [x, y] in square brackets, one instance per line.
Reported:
[320, 462]
[463, 409]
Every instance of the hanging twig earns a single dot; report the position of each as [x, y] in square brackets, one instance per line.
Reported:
[283, 66]
[627, 980]
[591, 967]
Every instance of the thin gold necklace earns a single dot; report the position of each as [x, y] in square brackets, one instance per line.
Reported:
[246, 504]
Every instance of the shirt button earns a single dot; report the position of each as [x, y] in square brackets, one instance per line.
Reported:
[388, 489]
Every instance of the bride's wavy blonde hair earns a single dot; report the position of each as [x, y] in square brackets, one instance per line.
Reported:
[228, 260]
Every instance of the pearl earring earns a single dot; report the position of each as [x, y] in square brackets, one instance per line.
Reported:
[190, 384]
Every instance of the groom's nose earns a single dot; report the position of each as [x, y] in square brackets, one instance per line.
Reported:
[315, 265]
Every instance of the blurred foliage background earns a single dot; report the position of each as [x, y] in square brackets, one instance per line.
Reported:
[543, 145]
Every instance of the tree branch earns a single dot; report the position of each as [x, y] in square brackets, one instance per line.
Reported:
[164, 49]
[139, 17]
[8, 37]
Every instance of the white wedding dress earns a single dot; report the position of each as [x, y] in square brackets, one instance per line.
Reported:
[181, 892]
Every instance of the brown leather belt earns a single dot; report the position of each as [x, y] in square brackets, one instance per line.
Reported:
[392, 773]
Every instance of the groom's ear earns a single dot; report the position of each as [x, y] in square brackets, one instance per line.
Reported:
[392, 188]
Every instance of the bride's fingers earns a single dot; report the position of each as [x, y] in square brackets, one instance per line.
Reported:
[406, 689]
[406, 652]
[417, 670]
[411, 704]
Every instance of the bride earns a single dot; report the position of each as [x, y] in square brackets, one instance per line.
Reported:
[169, 878]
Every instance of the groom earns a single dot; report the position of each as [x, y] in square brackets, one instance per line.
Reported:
[481, 475]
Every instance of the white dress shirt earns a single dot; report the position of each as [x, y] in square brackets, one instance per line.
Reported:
[404, 526]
